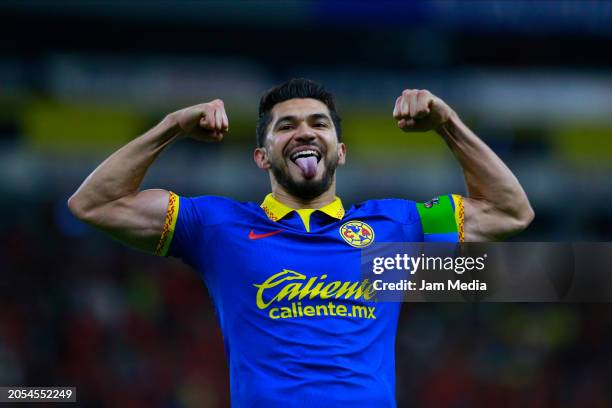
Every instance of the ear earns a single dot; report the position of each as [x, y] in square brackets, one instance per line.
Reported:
[341, 154]
[260, 157]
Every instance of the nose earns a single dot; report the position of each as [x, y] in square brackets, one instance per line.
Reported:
[304, 133]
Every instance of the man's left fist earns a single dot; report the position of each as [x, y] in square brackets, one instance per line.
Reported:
[418, 110]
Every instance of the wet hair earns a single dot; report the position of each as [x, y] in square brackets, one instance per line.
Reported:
[297, 88]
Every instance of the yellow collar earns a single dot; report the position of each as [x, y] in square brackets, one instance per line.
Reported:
[275, 210]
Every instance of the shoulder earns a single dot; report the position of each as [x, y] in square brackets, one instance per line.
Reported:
[210, 209]
[209, 200]
[400, 210]
[441, 213]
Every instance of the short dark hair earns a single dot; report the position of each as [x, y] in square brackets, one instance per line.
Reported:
[292, 89]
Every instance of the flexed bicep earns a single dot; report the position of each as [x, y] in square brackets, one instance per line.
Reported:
[136, 220]
[484, 221]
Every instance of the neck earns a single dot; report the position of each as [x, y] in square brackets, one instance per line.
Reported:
[279, 193]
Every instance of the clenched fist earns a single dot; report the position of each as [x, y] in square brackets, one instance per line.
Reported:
[206, 122]
[418, 110]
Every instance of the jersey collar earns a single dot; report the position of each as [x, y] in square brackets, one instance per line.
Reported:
[275, 210]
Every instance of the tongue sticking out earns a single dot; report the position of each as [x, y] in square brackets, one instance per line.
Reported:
[308, 165]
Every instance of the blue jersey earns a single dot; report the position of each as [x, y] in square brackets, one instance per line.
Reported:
[299, 327]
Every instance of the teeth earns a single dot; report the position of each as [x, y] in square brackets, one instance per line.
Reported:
[304, 153]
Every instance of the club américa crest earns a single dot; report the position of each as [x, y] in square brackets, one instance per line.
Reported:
[357, 233]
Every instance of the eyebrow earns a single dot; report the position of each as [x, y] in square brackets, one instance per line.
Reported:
[292, 118]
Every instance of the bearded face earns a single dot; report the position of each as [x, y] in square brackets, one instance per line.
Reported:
[314, 176]
[302, 148]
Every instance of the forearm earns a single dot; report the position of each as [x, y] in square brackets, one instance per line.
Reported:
[490, 183]
[122, 173]
[486, 175]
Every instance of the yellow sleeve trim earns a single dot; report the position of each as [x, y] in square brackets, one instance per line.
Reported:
[459, 216]
[169, 224]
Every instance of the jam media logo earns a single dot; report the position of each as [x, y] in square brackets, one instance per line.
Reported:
[357, 233]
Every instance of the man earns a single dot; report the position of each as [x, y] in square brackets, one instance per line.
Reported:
[284, 276]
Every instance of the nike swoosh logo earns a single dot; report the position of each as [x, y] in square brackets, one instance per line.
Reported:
[253, 235]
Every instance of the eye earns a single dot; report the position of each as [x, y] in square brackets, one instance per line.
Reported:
[320, 125]
[285, 127]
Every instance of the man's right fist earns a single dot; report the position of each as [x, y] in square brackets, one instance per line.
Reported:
[206, 122]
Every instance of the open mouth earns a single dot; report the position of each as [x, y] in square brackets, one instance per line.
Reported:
[307, 159]
[303, 154]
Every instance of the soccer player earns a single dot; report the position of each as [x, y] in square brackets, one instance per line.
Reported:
[284, 275]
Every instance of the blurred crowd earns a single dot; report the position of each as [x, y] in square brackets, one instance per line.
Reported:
[125, 328]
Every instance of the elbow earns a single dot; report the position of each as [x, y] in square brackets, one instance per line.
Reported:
[529, 216]
[78, 208]
[525, 214]
[521, 219]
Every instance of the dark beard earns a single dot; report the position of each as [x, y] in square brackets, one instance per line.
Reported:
[306, 190]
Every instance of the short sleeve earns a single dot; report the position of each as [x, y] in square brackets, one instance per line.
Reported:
[442, 218]
[167, 234]
[188, 223]
[182, 228]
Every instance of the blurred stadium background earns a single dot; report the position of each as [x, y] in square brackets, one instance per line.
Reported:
[79, 79]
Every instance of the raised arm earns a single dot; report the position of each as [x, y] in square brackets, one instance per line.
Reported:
[109, 198]
[496, 206]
